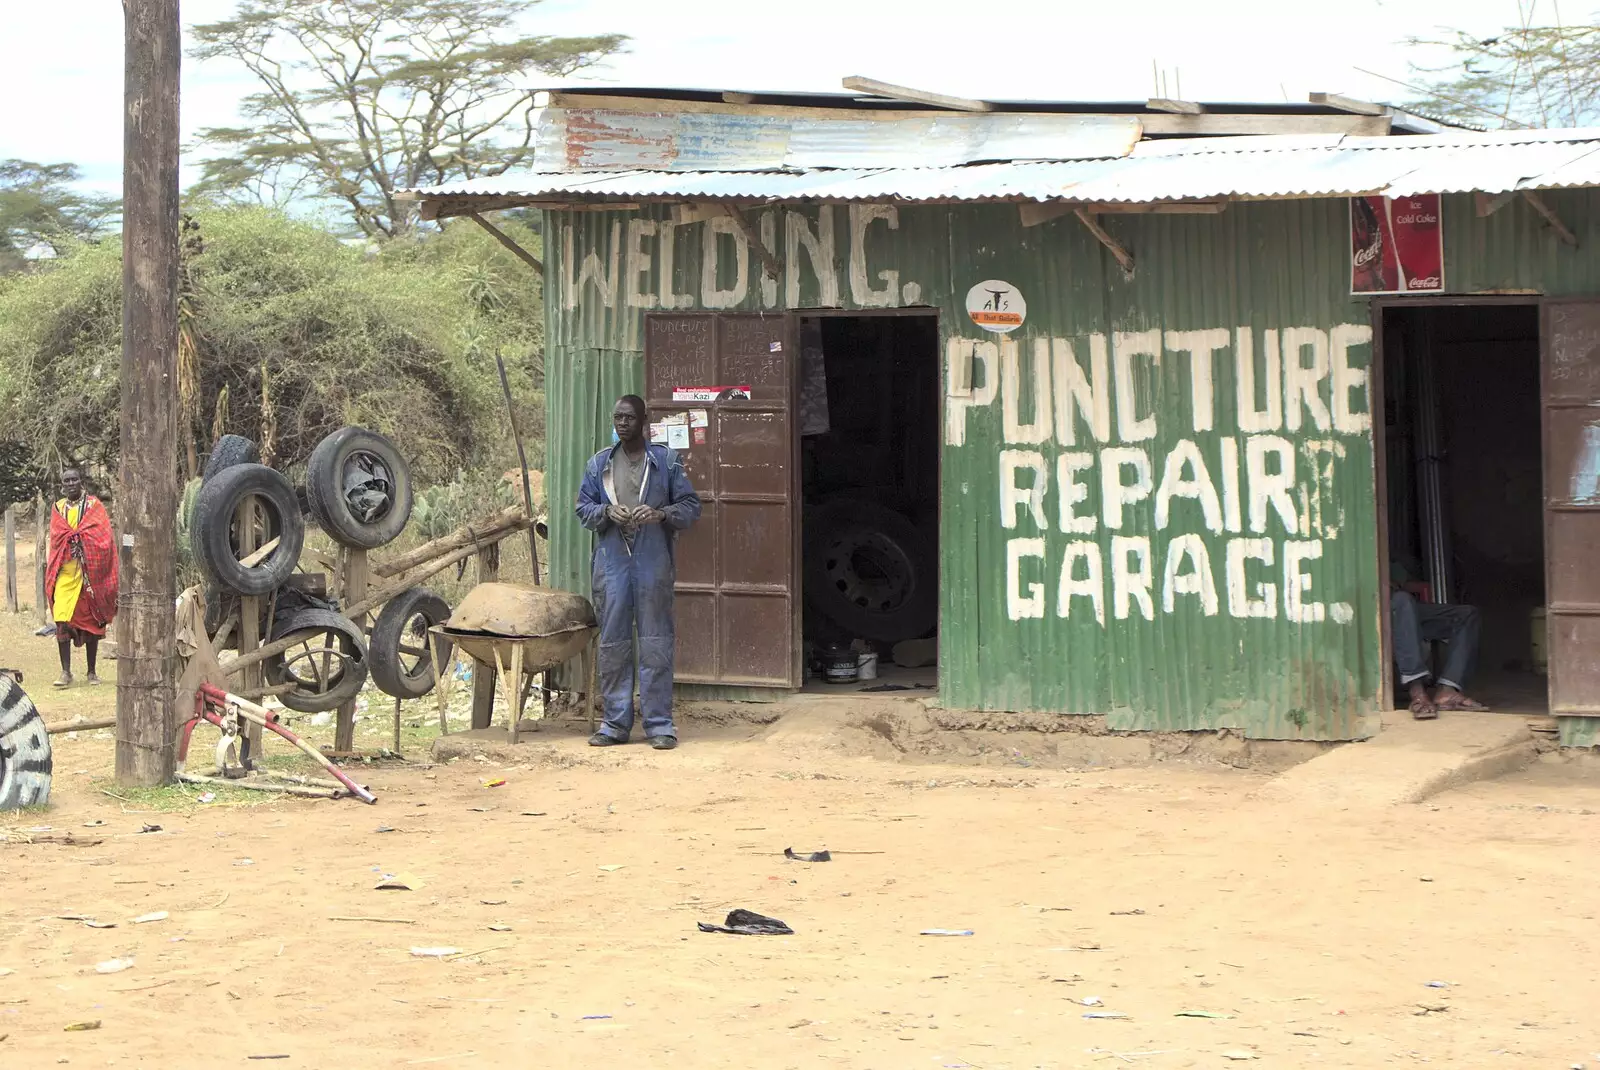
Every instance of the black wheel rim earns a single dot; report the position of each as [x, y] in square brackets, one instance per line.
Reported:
[317, 663]
[413, 658]
[870, 571]
[367, 485]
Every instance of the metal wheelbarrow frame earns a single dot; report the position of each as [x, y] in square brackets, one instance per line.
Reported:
[519, 658]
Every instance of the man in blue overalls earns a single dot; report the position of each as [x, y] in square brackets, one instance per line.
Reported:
[635, 497]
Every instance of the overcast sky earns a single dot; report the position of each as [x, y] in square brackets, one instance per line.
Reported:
[62, 68]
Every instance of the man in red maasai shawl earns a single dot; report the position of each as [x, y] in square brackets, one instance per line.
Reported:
[81, 579]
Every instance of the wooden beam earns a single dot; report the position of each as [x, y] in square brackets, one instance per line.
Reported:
[1349, 104]
[1176, 107]
[730, 97]
[505, 239]
[1124, 257]
[1033, 214]
[1550, 217]
[773, 266]
[685, 214]
[1488, 204]
[873, 87]
[1219, 125]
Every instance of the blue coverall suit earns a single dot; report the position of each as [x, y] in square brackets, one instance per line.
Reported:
[633, 587]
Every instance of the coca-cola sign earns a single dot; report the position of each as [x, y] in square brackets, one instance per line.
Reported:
[1396, 246]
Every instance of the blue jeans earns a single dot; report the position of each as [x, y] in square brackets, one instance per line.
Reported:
[1417, 623]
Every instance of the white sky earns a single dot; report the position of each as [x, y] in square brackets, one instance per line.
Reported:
[62, 65]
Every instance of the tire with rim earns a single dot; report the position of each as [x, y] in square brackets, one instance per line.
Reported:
[404, 622]
[359, 488]
[228, 451]
[328, 666]
[215, 530]
[870, 571]
[25, 759]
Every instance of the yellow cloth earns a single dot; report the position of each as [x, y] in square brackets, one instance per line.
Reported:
[69, 583]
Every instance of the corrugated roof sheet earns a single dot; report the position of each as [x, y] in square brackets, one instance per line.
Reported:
[1262, 167]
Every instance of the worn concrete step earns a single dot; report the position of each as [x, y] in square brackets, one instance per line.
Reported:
[1409, 761]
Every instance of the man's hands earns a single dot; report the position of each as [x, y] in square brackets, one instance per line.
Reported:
[633, 516]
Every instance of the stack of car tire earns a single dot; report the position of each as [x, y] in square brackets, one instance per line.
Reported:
[358, 490]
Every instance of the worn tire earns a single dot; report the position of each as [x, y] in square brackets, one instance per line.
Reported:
[394, 628]
[212, 533]
[388, 483]
[347, 682]
[849, 546]
[25, 761]
[228, 451]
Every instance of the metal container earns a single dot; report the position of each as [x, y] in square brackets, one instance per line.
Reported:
[840, 665]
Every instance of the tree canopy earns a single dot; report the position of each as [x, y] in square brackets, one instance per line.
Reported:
[1526, 75]
[360, 98]
[40, 207]
[400, 339]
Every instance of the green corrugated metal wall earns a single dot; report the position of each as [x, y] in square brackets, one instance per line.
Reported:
[1256, 268]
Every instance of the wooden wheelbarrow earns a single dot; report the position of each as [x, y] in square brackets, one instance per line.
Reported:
[519, 630]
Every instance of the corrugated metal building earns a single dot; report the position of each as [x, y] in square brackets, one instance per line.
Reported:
[1165, 495]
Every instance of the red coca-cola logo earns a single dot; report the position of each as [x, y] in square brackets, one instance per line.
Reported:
[1365, 257]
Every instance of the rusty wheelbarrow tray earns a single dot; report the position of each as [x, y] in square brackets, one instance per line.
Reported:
[519, 630]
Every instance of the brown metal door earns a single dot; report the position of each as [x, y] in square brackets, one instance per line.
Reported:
[1570, 343]
[736, 567]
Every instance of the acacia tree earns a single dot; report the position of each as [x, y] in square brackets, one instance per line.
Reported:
[39, 206]
[1527, 75]
[360, 98]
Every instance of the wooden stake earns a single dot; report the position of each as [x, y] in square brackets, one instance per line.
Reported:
[522, 460]
[147, 498]
[11, 560]
[353, 585]
[41, 557]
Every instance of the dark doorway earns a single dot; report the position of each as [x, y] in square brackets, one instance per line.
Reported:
[868, 418]
[1464, 467]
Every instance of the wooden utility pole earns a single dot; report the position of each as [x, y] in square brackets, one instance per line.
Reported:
[147, 497]
[41, 558]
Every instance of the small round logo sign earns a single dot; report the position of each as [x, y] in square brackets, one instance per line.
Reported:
[996, 306]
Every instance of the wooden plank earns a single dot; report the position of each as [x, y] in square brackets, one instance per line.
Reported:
[1488, 204]
[1032, 215]
[494, 528]
[1538, 205]
[1176, 107]
[484, 674]
[873, 87]
[505, 239]
[250, 636]
[731, 97]
[685, 214]
[354, 579]
[11, 560]
[1216, 124]
[41, 557]
[773, 265]
[1122, 255]
[1349, 104]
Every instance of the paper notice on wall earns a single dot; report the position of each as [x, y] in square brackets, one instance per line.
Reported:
[658, 433]
[699, 418]
[678, 436]
[699, 436]
[711, 393]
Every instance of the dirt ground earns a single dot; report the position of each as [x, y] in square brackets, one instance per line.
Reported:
[1305, 938]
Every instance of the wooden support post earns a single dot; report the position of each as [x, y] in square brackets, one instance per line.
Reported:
[483, 673]
[147, 486]
[12, 605]
[247, 523]
[505, 239]
[41, 558]
[769, 262]
[353, 577]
